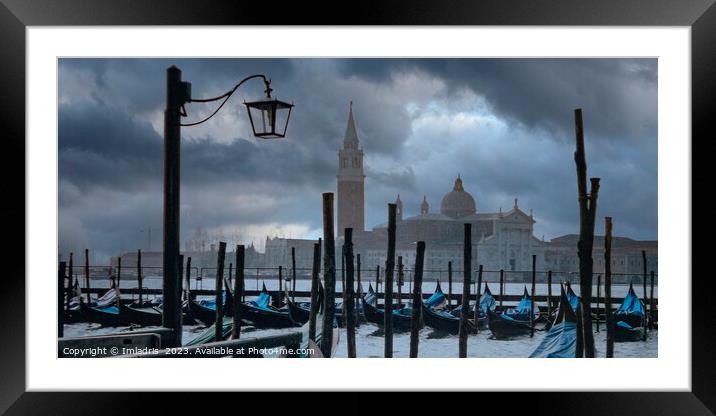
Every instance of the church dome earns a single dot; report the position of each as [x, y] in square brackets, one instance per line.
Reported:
[457, 203]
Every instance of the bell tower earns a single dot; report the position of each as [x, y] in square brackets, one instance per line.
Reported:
[351, 180]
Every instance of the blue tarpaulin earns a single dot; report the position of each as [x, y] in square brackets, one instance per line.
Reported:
[559, 342]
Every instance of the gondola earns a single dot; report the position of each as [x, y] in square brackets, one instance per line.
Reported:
[401, 316]
[141, 314]
[629, 319]
[107, 315]
[300, 312]
[561, 339]
[261, 314]
[513, 322]
[573, 301]
[437, 317]
[204, 310]
[487, 301]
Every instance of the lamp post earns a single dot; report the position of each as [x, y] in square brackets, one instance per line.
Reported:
[269, 120]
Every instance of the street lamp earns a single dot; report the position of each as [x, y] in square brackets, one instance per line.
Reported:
[269, 120]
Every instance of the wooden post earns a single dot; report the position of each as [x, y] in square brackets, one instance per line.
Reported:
[417, 300]
[651, 303]
[549, 293]
[579, 351]
[188, 278]
[449, 297]
[119, 273]
[181, 282]
[400, 281]
[293, 274]
[599, 284]
[608, 285]
[502, 286]
[139, 275]
[643, 257]
[238, 292]
[329, 275]
[358, 291]
[377, 282]
[279, 296]
[60, 299]
[343, 268]
[534, 302]
[219, 322]
[348, 295]
[315, 272]
[389, 269]
[467, 267]
[87, 275]
[477, 296]
[68, 291]
[587, 212]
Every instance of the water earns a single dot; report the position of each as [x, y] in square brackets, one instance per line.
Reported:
[303, 285]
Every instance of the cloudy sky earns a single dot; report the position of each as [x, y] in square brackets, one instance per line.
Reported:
[506, 125]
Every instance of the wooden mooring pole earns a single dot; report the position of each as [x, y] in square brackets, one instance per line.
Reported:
[359, 289]
[549, 293]
[60, 299]
[343, 268]
[467, 273]
[417, 300]
[219, 322]
[502, 286]
[70, 274]
[348, 295]
[608, 285]
[400, 281]
[587, 212]
[449, 297]
[646, 301]
[279, 295]
[119, 272]
[377, 281]
[478, 292]
[188, 278]
[315, 273]
[139, 275]
[599, 284]
[532, 295]
[651, 303]
[87, 276]
[293, 274]
[579, 351]
[238, 292]
[389, 269]
[329, 275]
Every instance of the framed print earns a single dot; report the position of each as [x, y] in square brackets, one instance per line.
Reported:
[447, 199]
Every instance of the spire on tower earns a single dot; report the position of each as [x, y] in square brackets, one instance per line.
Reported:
[515, 203]
[350, 140]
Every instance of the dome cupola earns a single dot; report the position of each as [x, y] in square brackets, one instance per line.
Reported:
[457, 203]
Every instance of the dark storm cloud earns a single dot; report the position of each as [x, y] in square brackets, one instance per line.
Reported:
[110, 144]
[541, 93]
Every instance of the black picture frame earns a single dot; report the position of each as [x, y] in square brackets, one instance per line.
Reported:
[16, 15]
